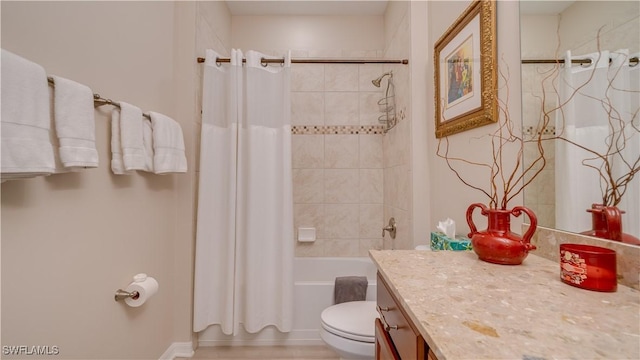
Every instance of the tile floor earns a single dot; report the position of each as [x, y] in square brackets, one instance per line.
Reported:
[265, 353]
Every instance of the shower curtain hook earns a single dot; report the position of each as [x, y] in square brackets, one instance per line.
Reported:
[218, 63]
[263, 62]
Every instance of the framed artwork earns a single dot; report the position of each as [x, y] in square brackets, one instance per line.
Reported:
[465, 71]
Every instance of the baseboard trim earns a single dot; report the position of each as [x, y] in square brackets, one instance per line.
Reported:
[274, 342]
[266, 337]
[178, 349]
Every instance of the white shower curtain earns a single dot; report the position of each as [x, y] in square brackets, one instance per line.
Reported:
[244, 241]
[585, 121]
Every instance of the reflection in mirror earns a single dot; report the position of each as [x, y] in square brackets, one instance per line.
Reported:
[567, 188]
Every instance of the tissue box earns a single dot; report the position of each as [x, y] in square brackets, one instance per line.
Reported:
[440, 241]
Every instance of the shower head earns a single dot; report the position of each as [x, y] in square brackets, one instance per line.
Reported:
[377, 81]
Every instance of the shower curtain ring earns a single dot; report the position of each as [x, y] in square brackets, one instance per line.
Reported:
[263, 62]
[218, 63]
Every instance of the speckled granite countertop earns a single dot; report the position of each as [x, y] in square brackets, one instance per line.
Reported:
[470, 309]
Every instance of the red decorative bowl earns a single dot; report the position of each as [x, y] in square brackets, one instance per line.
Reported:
[588, 267]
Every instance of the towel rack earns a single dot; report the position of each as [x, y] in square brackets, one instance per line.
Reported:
[98, 100]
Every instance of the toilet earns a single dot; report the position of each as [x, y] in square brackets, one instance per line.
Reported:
[349, 329]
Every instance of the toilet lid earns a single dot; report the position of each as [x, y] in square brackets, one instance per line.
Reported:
[353, 320]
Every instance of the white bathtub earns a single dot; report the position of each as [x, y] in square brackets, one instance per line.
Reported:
[313, 292]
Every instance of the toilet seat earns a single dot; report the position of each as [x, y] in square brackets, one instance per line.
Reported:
[353, 320]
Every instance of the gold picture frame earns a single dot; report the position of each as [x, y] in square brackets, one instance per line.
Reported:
[465, 71]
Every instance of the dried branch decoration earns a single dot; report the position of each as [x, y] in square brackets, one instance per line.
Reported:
[506, 181]
[614, 168]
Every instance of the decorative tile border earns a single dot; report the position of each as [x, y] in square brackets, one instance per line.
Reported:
[549, 130]
[337, 130]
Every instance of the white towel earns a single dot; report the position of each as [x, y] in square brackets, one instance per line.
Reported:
[131, 137]
[74, 123]
[168, 145]
[53, 138]
[26, 150]
[117, 164]
[147, 141]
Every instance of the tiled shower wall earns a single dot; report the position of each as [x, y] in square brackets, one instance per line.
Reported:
[337, 157]
[398, 199]
[349, 178]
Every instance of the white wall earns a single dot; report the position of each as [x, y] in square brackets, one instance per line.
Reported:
[617, 21]
[319, 36]
[421, 81]
[70, 241]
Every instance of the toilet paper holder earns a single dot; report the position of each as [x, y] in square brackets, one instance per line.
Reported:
[122, 294]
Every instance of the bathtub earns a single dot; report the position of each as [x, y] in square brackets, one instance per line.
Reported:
[313, 292]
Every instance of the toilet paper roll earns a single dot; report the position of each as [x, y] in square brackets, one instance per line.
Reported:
[145, 288]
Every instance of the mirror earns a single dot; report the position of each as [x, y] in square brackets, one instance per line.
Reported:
[548, 30]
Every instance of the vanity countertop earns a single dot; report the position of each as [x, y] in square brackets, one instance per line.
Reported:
[466, 308]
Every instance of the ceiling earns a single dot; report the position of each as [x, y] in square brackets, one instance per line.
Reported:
[307, 7]
[537, 7]
[359, 7]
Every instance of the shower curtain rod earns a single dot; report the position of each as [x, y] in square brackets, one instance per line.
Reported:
[319, 61]
[632, 61]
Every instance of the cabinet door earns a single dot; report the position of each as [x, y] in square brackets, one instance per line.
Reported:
[431, 355]
[404, 336]
[384, 347]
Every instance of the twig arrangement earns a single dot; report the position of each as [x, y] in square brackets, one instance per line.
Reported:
[614, 170]
[506, 181]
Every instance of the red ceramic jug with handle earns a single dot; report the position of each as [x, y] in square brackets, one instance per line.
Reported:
[607, 224]
[497, 244]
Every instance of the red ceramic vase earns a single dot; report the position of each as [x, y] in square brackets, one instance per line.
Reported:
[498, 244]
[606, 223]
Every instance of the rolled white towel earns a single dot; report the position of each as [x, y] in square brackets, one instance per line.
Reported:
[168, 145]
[26, 150]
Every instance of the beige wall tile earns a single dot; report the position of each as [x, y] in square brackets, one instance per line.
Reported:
[342, 247]
[307, 77]
[313, 249]
[341, 221]
[371, 186]
[341, 186]
[369, 108]
[340, 78]
[370, 151]
[308, 186]
[307, 151]
[371, 221]
[367, 73]
[307, 108]
[309, 215]
[369, 244]
[341, 151]
[341, 108]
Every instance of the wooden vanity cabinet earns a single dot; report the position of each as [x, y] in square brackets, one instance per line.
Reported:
[396, 336]
[384, 345]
